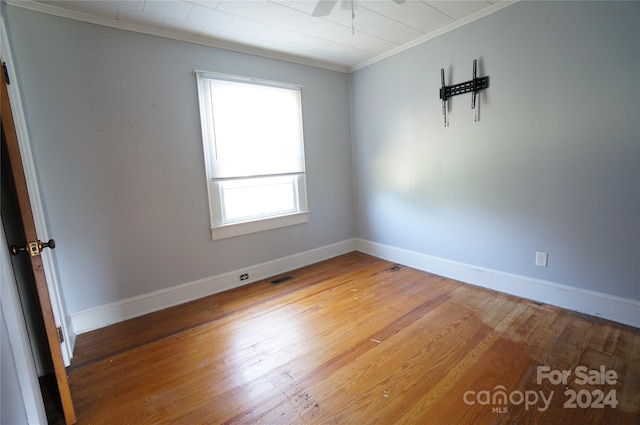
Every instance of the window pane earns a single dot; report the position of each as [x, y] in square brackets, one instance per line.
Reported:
[254, 152]
[262, 197]
[258, 130]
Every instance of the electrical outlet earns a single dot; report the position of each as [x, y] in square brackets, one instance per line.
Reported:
[542, 259]
[244, 276]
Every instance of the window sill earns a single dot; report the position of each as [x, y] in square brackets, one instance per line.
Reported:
[247, 227]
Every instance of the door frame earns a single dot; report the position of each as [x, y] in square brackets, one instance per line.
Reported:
[19, 340]
[35, 197]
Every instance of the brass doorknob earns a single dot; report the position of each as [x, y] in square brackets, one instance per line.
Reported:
[51, 244]
[15, 249]
[33, 248]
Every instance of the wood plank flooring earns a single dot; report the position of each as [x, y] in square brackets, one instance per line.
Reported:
[354, 340]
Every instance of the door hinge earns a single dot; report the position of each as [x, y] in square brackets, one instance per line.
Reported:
[60, 335]
[6, 72]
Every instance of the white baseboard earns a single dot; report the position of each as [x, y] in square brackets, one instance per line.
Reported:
[70, 335]
[617, 309]
[119, 311]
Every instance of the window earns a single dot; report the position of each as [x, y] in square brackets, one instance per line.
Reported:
[254, 153]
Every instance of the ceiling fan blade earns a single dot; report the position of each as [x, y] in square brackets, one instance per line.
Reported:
[323, 8]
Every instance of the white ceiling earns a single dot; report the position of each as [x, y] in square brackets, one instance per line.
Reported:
[284, 29]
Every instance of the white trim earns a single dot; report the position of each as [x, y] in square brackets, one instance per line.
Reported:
[71, 334]
[19, 340]
[35, 197]
[119, 311]
[212, 75]
[247, 227]
[618, 309]
[610, 307]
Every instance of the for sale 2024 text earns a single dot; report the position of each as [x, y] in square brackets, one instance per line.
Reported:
[499, 398]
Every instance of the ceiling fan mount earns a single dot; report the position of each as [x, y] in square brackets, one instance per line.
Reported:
[325, 7]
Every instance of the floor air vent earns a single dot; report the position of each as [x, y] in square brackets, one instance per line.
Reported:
[281, 279]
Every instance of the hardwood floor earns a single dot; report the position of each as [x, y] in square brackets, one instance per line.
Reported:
[356, 340]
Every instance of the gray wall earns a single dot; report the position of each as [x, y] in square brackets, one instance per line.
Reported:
[113, 118]
[553, 165]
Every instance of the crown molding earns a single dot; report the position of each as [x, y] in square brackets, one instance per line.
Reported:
[430, 36]
[174, 35]
[243, 48]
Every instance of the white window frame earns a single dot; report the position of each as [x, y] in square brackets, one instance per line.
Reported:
[220, 226]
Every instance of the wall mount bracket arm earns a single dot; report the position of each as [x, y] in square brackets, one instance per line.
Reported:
[473, 86]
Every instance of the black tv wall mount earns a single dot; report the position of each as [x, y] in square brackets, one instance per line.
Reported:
[473, 86]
